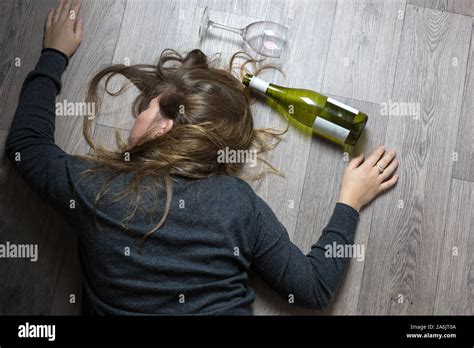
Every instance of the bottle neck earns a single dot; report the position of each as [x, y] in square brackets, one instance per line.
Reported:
[262, 86]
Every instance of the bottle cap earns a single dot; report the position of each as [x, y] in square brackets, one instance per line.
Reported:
[247, 78]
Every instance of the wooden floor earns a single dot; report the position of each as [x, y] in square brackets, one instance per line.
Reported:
[418, 237]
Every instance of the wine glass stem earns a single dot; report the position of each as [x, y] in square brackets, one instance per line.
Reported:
[226, 27]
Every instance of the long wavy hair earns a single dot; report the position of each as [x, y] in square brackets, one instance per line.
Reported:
[210, 109]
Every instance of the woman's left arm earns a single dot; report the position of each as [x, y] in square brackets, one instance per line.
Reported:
[30, 144]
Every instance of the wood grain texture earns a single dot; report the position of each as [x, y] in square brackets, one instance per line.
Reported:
[28, 287]
[464, 166]
[326, 164]
[455, 287]
[465, 7]
[408, 224]
[9, 29]
[363, 51]
[24, 23]
[269, 10]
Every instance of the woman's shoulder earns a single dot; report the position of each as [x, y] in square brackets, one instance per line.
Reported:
[231, 188]
[232, 184]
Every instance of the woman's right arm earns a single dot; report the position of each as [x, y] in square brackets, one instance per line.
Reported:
[311, 280]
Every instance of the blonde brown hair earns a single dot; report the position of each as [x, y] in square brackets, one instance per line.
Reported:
[210, 109]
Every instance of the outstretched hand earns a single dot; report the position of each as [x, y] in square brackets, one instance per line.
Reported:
[364, 180]
[63, 29]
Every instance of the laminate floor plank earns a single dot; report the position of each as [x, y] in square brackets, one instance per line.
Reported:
[465, 7]
[455, 287]
[269, 10]
[22, 40]
[464, 165]
[9, 29]
[364, 45]
[408, 224]
[28, 287]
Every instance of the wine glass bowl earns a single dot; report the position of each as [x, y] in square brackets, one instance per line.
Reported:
[264, 37]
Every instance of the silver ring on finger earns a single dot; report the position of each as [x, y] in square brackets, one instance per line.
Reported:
[380, 168]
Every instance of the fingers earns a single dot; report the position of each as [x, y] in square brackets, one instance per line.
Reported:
[375, 156]
[49, 18]
[58, 10]
[386, 159]
[65, 10]
[76, 8]
[389, 183]
[389, 170]
[356, 161]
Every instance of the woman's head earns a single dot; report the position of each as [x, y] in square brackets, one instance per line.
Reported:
[186, 113]
[190, 112]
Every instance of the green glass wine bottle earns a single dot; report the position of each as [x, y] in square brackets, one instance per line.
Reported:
[330, 118]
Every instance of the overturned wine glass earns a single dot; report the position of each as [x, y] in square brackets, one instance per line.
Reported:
[265, 38]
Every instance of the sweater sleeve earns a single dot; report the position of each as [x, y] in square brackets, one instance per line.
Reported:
[30, 144]
[313, 278]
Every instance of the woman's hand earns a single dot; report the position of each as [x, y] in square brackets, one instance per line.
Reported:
[363, 180]
[63, 29]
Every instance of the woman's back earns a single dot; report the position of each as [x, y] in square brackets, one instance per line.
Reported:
[196, 263]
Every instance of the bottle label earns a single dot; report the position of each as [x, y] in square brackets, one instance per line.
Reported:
[331, 129]
[343, 106]
[259, 84]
